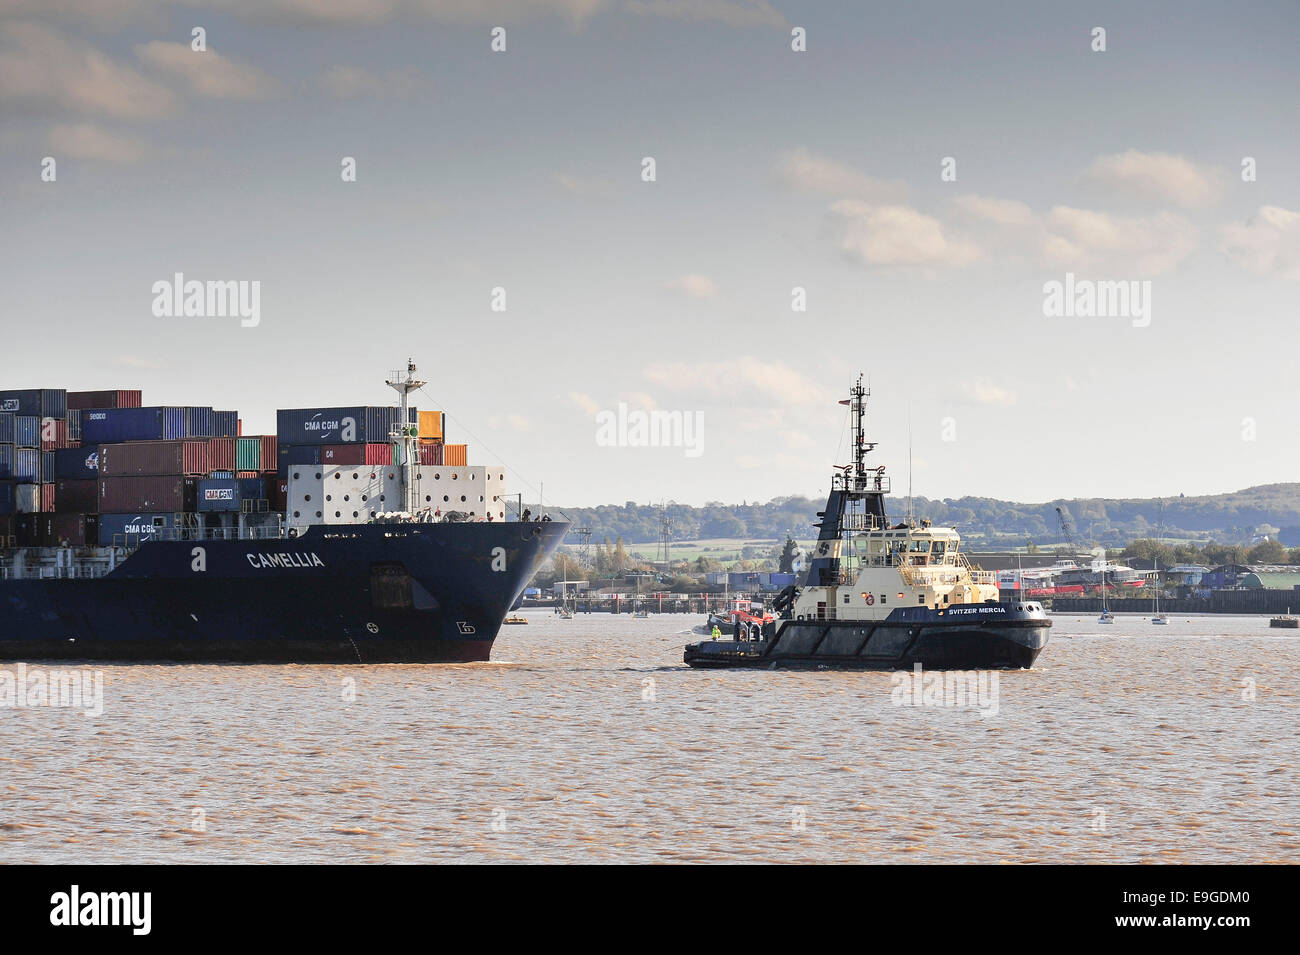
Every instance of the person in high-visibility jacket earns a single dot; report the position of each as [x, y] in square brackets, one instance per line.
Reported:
[716, 632]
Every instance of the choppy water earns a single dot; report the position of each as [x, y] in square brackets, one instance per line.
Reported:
[1126, 744]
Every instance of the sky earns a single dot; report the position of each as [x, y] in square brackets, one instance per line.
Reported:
[922, 172]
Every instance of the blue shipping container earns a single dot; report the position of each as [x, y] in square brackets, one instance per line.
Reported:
[114, 425]
[198, 423]
[76, 464]
[27, 431]
[6, 498]
[6, 429]
[129, 529]
[359, 425]
[225, 424]
[7, 456]
[74, 425]
[228, 494]
[47, 467]
[27, 465]
[36, 402]
[296, 455]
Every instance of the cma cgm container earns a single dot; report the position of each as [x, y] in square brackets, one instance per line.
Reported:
[27, 431]
[379, 455]
[37, 402]
[229, 494]
[76, 497]
[76, 464]
[81, 400]
[146, 493]
[115, 425]
[154, 458]
[225, 424]
[359, 425]
[54, 434]
[6, 428]
[126, 530]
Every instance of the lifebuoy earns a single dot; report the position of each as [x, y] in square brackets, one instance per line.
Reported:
[870, 598]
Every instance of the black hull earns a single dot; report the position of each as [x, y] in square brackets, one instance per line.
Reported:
[424, 593]
[1011, 638]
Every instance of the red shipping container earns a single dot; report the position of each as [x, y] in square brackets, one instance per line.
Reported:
[54, 434]
[156, 493]
[67, 530]
[431, 454]
[375, 455]
[81, 400]
[277, 492]
[270, 453]
[46, 497]
[221, 454]
[153, 458]
[76, 497]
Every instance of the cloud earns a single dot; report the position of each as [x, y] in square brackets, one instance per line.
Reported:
[44, 68]
[351, 82]
[1085, 238]
[736, 13]
[208, 74]
[1154, 176]
[745, 376]
[511, 422]
[371, 12]
[898, 236]
[583, 402]
[1008, 212]
[1268, 244]
[585, 187]
[806, 172]
[985, 392]
[88, 141]
[696, 286]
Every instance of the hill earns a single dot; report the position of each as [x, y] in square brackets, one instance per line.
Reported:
[1235, 518]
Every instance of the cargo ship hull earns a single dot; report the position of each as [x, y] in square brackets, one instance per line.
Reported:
[975, 637]
[372, 593]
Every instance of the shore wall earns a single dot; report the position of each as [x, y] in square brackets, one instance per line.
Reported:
[1220, 601]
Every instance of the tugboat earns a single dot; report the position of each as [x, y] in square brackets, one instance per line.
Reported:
[1284, 621]
[881, 596]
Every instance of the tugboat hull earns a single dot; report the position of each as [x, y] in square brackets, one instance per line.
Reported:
[979, 637]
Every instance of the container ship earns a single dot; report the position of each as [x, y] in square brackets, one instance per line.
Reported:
[162, 533]
[882, 596]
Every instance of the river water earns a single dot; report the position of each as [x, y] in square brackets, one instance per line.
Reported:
[587, 740]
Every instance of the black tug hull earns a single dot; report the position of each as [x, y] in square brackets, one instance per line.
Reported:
[981, 637]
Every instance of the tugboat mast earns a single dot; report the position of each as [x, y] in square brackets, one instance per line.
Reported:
[406, 435]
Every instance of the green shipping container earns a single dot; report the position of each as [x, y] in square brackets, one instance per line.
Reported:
[248, 454]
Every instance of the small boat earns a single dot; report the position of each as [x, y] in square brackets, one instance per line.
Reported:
[1106, 615]
[1159, 619]
[641, 615]
[1285, 621]
[515, 620]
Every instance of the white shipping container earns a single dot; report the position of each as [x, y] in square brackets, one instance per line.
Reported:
[27, 498]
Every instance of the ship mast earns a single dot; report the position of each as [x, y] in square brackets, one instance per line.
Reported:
[405, 435]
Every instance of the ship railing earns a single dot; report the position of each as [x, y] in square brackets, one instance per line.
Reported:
[862, 522]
